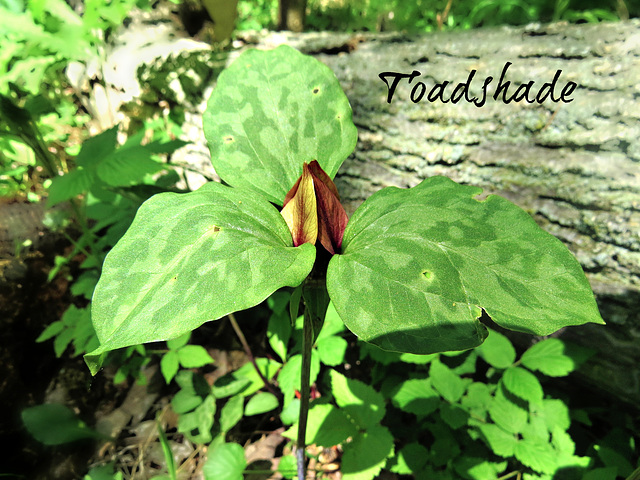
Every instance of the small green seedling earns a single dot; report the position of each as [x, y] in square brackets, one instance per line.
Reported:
[411, 271]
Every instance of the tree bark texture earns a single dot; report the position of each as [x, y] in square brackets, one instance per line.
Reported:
[575, 167]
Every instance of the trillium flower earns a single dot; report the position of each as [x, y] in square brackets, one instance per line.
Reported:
[313, 211]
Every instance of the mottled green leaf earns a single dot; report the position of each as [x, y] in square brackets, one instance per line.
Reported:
[190, 258]
[270, 112]
[417, 264]
[225, 462]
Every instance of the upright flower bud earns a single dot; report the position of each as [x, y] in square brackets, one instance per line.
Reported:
[313, 211]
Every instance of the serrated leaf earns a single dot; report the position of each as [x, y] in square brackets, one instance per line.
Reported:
[497, 350]
[473, 468]
[231, 413]
[260, 403]
[523, 384]
[54, 424]
[127, 166]
[270, 112]
[417, 264]
[194, 356]
[502, 443]
[331, 350]
[367, 454]
[69, 186]
[507, 414]
[548, 357]
[477, 399]
[358, 401]
[416, 396]
[446, 382]
[453, 415]
[169, 365]
[537, 455]
[412, 458]
[326, 426]
[214, 251]
[225, 462]
[289, 376]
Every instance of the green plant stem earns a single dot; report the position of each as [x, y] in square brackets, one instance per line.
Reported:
[247, 350]
[307, 343]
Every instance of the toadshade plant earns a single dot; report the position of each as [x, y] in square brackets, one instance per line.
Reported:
[411, 271]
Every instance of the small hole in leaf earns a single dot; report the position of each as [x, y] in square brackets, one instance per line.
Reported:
[427, 274]
[228, 139]
[316, 90]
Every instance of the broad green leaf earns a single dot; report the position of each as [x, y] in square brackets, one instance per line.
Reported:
[446, 382]
[169, 365]
[497, 350]
[477, 399]
[537, 455]
[326, 426]
[416, 396]
[289, 376]
[357, 400]
[197, 424]
[523, 384]
[331, 350]
[194, 356]
[418, 264]
[260, 403]
[190, 258]
[55, 424]
[128, 166]
[270, 112]
[453, 415]
[279, 333]
[225, 462]
[507, 414]
[411, 459]
[549, 357]
[231, 413]
[474, 468]
[365, 456]
[176, 343]
[502, 443]
[287, 466]
[246, 380]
